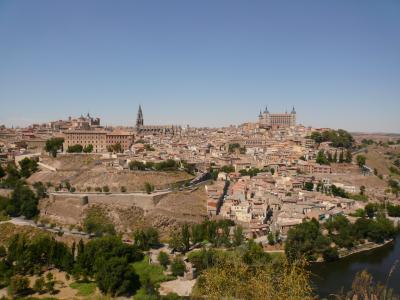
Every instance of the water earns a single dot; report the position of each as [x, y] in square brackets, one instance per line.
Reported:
[329, 278]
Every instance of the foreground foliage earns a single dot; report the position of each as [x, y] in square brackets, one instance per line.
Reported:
[232, 278]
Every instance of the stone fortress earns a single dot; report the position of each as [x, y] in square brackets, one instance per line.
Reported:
[269, 120]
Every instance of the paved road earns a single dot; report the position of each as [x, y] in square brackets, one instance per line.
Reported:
[24, 222]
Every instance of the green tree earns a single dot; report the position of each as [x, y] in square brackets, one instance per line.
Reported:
[197, 233]
[53, 145]
[99, 250]
[146, 238]
[308, 186]
[361, 160]
[301, 241]
[238, 237]
[175, 242]
[341, 157]
[163, 259]
[23, 201]
[116, 277]
[349, 156]
[28, 167]
[137, 165]
[321, 158]
[40, 189]
[329, 157]
[271, 239]
[81, 248]
[178, 267]
[186, 237]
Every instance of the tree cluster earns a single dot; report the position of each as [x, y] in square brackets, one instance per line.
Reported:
[338, 138]
[167, 165]
[250, 172]
[214, 232]
[307, 241]
[326, 158]
[107, 260]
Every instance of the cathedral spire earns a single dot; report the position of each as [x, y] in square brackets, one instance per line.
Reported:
[139, 118]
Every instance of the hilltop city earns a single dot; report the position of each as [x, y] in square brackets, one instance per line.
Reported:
[173, 190]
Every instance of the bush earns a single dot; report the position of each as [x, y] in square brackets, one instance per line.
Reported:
[178, 267]
[39, 285]
[75, 149]
[149, 188]
[18, 285]
[163, 259]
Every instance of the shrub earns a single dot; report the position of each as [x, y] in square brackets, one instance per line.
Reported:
[178, 267]
[163, 259]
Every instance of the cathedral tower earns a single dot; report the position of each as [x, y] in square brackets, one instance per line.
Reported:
[139, 118]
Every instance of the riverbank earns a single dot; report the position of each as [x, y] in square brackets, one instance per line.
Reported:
[362, 248]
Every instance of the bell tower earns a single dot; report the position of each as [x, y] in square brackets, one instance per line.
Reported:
[139, 118]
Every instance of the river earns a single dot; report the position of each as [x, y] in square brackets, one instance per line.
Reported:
[329, 278]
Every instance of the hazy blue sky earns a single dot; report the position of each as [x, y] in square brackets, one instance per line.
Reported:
[201, 62]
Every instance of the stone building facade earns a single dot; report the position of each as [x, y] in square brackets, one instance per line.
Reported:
[99, 139]
[268, 120]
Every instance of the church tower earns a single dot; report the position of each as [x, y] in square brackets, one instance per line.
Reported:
[139, 118]
[293, 117]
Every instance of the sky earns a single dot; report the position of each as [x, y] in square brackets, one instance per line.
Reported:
[202, 63]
